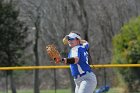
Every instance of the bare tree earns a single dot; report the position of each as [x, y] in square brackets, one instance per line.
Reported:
[34, 15]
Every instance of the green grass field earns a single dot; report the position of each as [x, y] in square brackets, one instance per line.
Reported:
[42, 91]
[112, 90]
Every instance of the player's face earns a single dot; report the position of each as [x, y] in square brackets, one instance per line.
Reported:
[73, 42]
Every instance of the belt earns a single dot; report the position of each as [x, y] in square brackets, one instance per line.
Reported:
[80, 75]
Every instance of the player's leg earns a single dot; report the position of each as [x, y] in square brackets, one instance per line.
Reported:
[76, 89]
[88, 83]
[77, 85]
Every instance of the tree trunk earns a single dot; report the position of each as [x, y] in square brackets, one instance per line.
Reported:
[36, 72]
[55, 81]
[36, 81]
[72, 82]
[13, 87]
[6, 82]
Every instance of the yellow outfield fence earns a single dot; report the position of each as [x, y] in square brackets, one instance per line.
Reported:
[65, 67]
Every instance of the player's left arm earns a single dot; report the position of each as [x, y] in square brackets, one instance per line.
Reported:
[72, 60]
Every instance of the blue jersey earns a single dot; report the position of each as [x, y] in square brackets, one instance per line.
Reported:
[82, 66]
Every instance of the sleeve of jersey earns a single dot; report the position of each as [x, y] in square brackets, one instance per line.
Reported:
[86, 45]
[74, 52]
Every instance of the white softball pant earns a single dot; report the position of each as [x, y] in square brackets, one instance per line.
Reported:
[86, 83]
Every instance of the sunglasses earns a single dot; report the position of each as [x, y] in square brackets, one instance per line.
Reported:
[70, 39]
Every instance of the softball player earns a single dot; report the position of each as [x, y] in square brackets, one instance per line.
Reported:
[85, 79]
